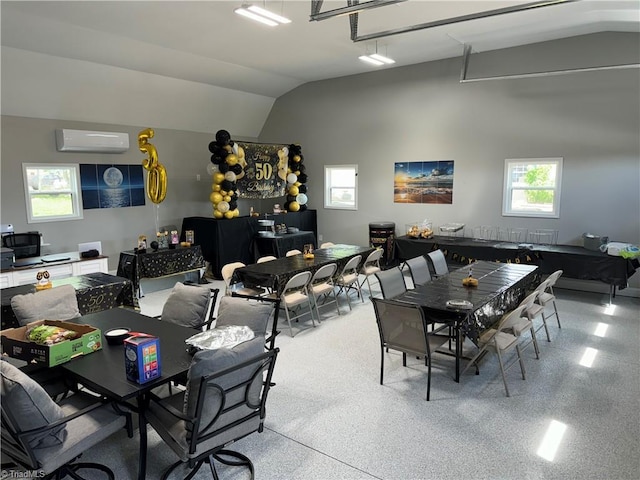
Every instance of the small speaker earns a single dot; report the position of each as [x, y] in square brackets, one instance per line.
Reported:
[90, 254]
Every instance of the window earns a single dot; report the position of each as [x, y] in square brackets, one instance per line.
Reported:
[532, 187]
[52, 192]
[341, 187]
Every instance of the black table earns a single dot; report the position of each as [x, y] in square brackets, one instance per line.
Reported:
[160, 263]
[575, 261]
[276, 273]
[279, 245]
[501, 288]
[94, 291]
[104, 370]
[232, 240]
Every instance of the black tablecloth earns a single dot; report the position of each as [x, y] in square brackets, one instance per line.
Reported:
[95, 292]
[232, 240]
[276, 273]
[575, 261]
[279, 245]
[160, 263]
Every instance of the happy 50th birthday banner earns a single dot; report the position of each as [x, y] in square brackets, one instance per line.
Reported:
[265, 173]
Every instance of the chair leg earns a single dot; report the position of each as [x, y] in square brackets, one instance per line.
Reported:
[286, 311]
[546, 327]
[382, 363]
[535, 342]
[521, 361]
[504, 376]
[237, 460]
[428, 378]
[555, 309]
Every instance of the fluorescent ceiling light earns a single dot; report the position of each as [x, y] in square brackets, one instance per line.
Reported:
[266, 13]
[370, 60]
[261, 15]
[382, 58]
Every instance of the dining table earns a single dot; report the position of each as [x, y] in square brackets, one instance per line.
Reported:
[104, 370]
[275, 274]
[472, 309]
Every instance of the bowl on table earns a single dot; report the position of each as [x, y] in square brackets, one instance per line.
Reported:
[116, 336]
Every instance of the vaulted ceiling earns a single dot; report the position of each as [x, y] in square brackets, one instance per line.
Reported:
[204, 41]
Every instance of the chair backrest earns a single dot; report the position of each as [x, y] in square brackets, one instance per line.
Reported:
[24, 245]
[391, 282]
[26, 406]
[237, 311]
[327, 244]
[374, 257]
[542, 287]
[530, 299]
[553, 278]
[57, 303]
[351, 266]
[266, 258]
[298, 281]
[324, 273]
[419, 269]
[290, 253]
[402, 326]
[227, 272]
[227, 393]
[190, 305]
[440, 266]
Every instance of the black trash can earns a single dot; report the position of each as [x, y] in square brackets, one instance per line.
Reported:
[382, 234]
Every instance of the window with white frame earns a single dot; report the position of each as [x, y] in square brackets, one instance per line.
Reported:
[341, 187]
[532, 187]
[52, 191]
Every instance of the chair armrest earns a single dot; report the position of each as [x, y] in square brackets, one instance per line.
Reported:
[170, 409]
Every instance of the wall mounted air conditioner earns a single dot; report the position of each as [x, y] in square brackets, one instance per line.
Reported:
[90, 141]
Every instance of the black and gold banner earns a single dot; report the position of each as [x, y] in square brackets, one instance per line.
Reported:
[265, 172]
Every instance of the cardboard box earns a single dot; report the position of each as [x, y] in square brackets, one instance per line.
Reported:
[15, 344]
[142, 358]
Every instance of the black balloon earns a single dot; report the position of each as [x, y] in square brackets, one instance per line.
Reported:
[295, 149]
[223, 167]
[291, 198]
[237, 169]
[233, 205]
[302, 178]
[216, 160]
[302, 189]
[223, 137]
[301, 168]
[286, 206]
[303, 208]
[234, 196]
[226, 185]
[154, 245]
[212, 147]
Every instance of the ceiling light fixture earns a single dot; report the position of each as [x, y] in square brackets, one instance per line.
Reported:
[261, 15]
[377, 59]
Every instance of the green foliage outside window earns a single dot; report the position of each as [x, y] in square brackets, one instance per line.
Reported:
[538, 176]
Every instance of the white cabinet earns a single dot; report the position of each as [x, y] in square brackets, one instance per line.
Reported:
[71, 268]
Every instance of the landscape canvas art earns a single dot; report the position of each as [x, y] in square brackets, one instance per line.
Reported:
[423, 182]
[111, 186]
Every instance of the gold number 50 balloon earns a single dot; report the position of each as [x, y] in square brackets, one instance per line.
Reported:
[157, 177]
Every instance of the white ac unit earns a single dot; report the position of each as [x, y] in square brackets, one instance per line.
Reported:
[90, 141]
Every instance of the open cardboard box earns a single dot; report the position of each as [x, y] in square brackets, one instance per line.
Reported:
[15, 344]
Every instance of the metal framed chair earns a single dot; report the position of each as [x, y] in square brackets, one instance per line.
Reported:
[227, 275]
[403, 327]
[348, 278]
[190, 305]
[500, 342]
[294, 294]
[371, 266]
[419, 270]
[327, 244]
[321, 285]
[519, 325]
[24, 245]
[546, 295]
[266, 258]
[224, 401]
[293, 252]
[41, 435]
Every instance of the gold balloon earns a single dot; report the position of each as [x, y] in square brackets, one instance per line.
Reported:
[293, 190]
[294, 206]
[217, 214]
[296, 158]
[218, 177]
[231, 159]
[157, 177]
[215, 198]
[297, 184]
[228, 214]
[236, 212]
[227, 198]
[223, 192]
[216, 187]
[228, 148]
[297, 172]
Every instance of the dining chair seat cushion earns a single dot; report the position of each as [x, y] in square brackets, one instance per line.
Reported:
[546, 297]
[58, 303]
[501, 340]
[295, 298]
[348, 279]
[186, 305]
[239, 311]
[86, 429]
[370, 269]
[30, 406]
[520, 325]
[322, 288]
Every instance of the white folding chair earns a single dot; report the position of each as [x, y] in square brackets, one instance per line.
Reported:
[291, 253]
[295, 293]
[227, 275]
[321, 285]
[349, 278]
[327, 244]
[546, 295]
[266, 258]
[370, 267]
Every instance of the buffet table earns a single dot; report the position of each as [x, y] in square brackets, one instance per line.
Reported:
[279, 245]
[233, 240]
[575, 261]
[160, 263]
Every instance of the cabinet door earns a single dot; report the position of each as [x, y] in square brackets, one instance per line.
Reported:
[90, 266]
[25, 277]
[6, 280]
